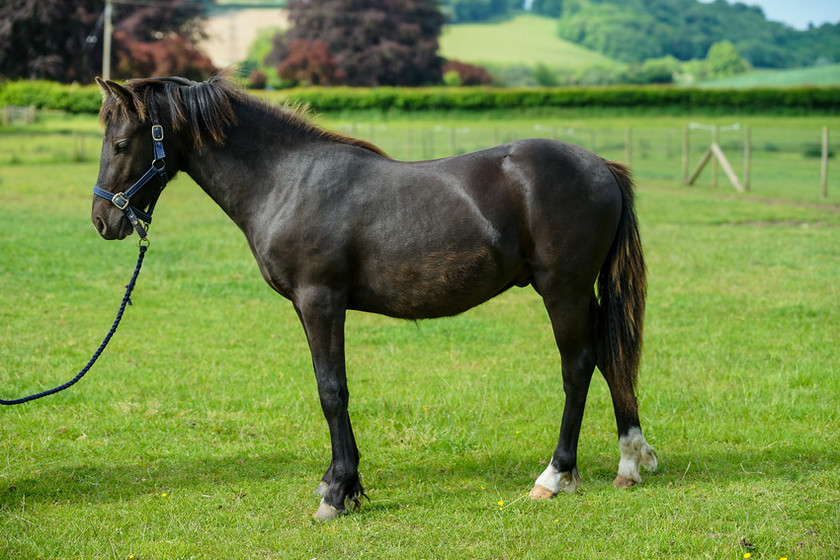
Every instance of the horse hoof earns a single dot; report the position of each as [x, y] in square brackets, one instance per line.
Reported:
[322, 489]
[540, 493]
[623, 482]
[326, 512]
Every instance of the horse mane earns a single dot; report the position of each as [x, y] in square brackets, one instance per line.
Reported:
[206, 109]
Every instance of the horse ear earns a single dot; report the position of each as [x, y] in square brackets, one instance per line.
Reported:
[103, 85]
[123, 96]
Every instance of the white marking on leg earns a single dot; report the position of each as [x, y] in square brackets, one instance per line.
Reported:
[635, 451]
[552, 481]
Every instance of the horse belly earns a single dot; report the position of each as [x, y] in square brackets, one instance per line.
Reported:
[434, 283]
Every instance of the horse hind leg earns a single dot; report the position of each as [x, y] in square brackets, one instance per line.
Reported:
[572, 325]
[635, 450]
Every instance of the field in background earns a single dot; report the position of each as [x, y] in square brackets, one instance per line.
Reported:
[828, 75]
[525, 39]
[199, 434]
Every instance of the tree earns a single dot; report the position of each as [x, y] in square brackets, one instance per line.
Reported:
[47, 39]
[171, 55]
[61, 39]
[462, 11]
[724, 60]
[311, 63]
[373, 42]
[634, 30]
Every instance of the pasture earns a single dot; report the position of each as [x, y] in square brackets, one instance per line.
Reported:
[198, 432]
[529, 39]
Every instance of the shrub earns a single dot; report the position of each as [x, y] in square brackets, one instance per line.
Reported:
[468, 74]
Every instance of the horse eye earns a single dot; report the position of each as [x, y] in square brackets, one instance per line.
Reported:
[121, 146]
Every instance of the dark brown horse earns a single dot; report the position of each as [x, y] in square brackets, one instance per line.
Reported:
[335, 224]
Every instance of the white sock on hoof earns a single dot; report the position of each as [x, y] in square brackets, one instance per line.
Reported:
[635, 451]
[555, 481]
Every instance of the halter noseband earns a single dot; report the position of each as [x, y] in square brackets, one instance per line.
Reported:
[141, 219]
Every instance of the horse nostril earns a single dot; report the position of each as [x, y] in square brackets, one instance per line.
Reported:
[99, 224]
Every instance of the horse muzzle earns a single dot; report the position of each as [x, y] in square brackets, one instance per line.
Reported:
[109, 224]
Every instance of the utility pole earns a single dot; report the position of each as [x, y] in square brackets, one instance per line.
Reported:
[106, 41]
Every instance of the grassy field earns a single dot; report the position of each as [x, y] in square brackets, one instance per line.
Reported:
[199, 434]
[828, 75]
[526, 39]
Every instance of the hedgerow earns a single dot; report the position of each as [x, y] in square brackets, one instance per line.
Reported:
[51, 95]
[86, 99]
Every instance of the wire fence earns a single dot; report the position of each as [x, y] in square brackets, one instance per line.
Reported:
[798, 164]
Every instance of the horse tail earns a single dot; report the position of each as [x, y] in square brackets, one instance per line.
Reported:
[622, 289]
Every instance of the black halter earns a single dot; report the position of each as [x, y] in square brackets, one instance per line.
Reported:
[141, 219]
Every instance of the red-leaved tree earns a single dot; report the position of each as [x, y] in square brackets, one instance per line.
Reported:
[62, 39]
[311, 63]
[374, 42]
[468, 74]
[171, 55]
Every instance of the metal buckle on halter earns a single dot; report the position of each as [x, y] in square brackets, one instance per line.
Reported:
[120, 201]
[157, 133]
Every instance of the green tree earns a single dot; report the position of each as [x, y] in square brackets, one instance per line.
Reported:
[634, 30]
[724, 60]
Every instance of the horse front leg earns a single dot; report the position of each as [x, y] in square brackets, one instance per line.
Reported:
[322, 313]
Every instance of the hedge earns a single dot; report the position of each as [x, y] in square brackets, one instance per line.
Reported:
[767, 100]
[86, 99]
[51, 95]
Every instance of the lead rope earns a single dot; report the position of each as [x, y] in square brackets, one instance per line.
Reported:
[144, 245]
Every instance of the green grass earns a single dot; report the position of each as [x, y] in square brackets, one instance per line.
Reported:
[199, 435]
[828, 75]
[525, 39]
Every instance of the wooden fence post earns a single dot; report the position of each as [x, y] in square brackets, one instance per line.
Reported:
[747, 151]
[715, 167]
[685, 154]
[824, 163]
[628, 147]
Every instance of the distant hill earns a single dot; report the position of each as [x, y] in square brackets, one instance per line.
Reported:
[525, 39]
[635, 30]
[828, 75]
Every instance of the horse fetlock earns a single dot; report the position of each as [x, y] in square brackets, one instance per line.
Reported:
[322, 488]
[635, 451]
[551, 482]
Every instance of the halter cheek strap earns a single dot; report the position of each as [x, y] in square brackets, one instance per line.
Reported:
[140, 218]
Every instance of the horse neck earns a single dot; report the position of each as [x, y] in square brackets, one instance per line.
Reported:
[238, 174]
